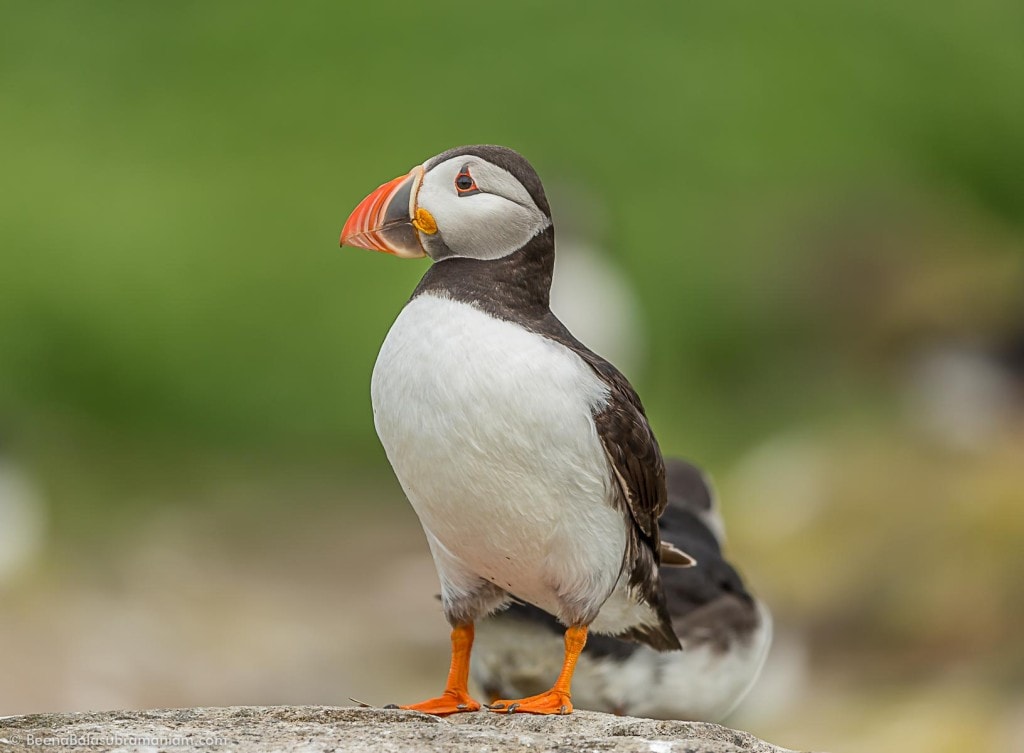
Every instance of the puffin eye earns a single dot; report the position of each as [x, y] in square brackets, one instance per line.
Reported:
[464, 183]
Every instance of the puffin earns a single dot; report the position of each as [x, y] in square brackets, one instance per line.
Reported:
[725, 631]
[527, 457]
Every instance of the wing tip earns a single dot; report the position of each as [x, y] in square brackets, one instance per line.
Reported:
[673, 557]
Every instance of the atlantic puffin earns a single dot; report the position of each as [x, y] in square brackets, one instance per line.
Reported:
[527, 457]
[725, 631]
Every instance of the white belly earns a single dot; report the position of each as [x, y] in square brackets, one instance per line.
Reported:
[490, 431]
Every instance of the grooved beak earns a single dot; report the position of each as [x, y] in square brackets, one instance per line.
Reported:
[383, 221]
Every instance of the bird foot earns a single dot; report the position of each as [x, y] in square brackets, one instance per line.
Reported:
[449, 702]
[551, 702]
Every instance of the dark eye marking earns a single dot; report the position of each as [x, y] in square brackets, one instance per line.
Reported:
[464, 183]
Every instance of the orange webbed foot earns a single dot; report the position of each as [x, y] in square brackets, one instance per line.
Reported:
[551, 702]
[449, 702]
[557, 700]
[455, 699]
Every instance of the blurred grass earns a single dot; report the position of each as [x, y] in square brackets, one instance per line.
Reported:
[176, 177]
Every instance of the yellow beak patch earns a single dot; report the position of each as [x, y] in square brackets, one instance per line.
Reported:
[424, 221]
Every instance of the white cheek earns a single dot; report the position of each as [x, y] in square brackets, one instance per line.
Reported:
[488, 227]
[483, 225]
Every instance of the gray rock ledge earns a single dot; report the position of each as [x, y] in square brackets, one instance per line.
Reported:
[316, 729]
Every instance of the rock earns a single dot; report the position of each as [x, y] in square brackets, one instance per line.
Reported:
[312, 729]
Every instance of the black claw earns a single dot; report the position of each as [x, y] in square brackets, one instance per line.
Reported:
[564, 710]
[462, 707]
[496, 706]
[512, 708]
[392, 706]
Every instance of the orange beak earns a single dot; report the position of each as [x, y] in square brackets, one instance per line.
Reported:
[383, 221]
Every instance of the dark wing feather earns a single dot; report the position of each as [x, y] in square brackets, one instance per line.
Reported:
[632, 450]
[639, 469]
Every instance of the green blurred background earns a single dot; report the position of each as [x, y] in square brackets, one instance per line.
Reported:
[816, 210]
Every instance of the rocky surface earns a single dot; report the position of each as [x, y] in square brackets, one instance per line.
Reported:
[311, 729]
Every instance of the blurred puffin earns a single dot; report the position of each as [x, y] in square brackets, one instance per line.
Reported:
[527, 457]
[724, 630]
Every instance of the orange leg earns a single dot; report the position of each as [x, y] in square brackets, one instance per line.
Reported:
[455, 697]
[557, 700]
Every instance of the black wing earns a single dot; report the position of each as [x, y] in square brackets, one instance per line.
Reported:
[632, 450]
[636, 461]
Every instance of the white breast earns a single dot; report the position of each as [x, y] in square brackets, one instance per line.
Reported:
[490, 430]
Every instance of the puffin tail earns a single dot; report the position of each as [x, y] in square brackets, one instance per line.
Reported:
[659, 636]
[645, 580]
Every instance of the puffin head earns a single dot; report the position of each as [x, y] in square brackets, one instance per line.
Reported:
[479, 202]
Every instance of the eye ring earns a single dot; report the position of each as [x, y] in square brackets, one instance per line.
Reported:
[465, 185]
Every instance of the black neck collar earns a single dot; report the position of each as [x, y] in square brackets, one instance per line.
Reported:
[514, 287]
